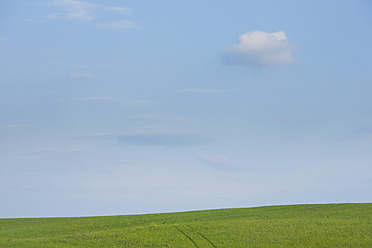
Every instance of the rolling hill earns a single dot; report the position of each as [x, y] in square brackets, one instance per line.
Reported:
[325, 225]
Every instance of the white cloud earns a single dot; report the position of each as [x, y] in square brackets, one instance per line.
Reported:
[139, 102]
[153, 137]
[13, 126]
[82, 11]
[30, 20]
[3, 38]
[82, 75]
[69, 3]
[166, 138]
[94, 98]
[48, 152]
[259, 48]
[118, 10]
[146, 117]
[95, 135]
[207, 91]
[121, 24]
[72, 10]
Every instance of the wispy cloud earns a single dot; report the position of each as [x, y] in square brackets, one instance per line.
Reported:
[157, 118]
[59, 158]
[82, 11]
[121, 24]
[139, 102]
[82, 75]
[206, 91]
[218, 162]
[14, 126]
[71, 10]
[119, 10]
[259, 48]
[94, 98]
[164, 138]
[46, 152]
[95, 135]
[3, 38]
[148, 137]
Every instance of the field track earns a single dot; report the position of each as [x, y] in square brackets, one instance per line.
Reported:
[328, 225]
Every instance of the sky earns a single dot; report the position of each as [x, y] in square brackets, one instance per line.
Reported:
[125, 107]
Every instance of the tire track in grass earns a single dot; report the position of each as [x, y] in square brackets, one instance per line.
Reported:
[178, 229]
[210, 242]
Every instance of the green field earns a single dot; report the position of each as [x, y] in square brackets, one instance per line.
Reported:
[329, 225]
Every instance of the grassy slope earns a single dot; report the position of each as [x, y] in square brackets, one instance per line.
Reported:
[331, 225]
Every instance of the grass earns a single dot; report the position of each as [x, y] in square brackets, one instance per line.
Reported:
[328, 225]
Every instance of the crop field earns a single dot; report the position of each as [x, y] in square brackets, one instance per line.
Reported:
[328, 225]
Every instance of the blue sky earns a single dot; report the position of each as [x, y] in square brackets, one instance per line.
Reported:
[112, 107]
